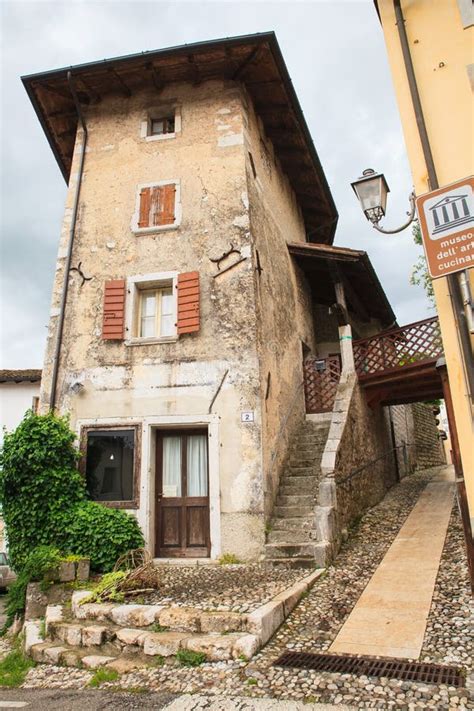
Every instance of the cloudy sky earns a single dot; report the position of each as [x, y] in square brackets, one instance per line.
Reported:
[336, 57]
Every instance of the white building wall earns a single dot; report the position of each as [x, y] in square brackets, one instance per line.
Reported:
[15, 400]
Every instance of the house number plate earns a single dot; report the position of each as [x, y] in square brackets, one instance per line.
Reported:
[247, 416]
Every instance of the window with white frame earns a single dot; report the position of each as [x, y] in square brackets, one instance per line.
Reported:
[162, 122]
[152, 308]
[156, 318]
[157, 207]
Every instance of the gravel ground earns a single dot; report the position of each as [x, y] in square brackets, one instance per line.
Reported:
[315, 622]
[240, 588]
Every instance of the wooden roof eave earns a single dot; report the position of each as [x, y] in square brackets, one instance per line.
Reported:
[254, 60]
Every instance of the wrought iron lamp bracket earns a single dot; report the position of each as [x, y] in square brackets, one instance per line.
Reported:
[376, 216]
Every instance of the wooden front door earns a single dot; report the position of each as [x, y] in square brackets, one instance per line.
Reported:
[182, 494]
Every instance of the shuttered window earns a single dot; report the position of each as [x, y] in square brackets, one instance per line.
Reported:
[188, 302]
[114, 310]
[157, 206]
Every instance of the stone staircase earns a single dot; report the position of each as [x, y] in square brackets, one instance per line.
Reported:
[293, 537]
[126, 637]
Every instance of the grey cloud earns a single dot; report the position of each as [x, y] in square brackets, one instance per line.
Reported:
[336, 57]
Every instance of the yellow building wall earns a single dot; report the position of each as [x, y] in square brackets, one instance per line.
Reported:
[442, 50]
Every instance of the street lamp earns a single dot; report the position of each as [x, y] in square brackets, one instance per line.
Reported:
[372, 190]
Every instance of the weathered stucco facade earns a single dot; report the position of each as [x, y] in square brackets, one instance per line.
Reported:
[168, 384]
[210, 218]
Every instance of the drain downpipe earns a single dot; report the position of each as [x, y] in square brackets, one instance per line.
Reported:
[67, 265]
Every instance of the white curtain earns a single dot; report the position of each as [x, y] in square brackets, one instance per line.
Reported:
[172, 466]
[197, 465]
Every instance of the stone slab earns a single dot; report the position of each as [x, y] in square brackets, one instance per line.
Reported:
[94, 661]
[390, 617]
[164, 644]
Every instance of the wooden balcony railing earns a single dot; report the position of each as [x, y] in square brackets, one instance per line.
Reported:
[409, 346]
[321, 377]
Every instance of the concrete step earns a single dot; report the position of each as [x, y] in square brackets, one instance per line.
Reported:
[282, 512]
[311, 452]
[292, 537]
[295, 499]
[293, 523]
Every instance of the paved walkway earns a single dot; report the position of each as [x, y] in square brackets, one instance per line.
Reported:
[389, 619]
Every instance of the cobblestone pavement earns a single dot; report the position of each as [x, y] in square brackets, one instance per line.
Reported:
[240, 588]
[315, 622]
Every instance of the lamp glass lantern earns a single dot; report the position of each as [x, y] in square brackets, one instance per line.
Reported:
[372, 190]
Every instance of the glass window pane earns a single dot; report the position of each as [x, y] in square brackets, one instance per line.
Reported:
[147, 327]
[197, 465]
[109, 465]
[167, 326]
[171, 466]
[149, 303]
[166, 302]
[157, 126]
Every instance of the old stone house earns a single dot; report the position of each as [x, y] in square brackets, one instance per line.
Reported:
[195, 277]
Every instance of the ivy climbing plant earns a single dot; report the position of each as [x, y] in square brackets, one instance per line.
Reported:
[44, 499]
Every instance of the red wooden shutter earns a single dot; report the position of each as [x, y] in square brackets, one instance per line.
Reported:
[145, 203]
[168, 204]
[114, 310]
[188, 302]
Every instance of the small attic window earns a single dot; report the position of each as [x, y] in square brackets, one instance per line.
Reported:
[162, 125]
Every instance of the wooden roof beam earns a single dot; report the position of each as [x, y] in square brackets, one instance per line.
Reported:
[247, 61]
[155, 76]
[89, 90]
[56, 90]
[63, 113]
[68, 132]
[125, 89]
[197, 79]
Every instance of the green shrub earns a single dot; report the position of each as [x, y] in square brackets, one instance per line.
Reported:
[102, 534]
[229, 559]
[45, 502]
[188, 658]
[101, 675]
[39, 484]
[107, 589]
[37, 564]
[14, 668]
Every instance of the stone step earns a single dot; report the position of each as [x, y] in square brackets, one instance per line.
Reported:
[282, 512]
[292, 536]
[311, 452]
[295, 499]
[291, 472]
[297, 562]
[300, 485]
[304, 460]
[301, 523]
[316, 551]
[140, 647]
[113, 617]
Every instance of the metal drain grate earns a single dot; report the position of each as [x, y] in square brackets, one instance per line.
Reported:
[371, 666]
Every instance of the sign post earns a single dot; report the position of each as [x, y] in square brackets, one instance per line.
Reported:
[447, 227]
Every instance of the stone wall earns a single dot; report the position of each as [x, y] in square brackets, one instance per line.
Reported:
[403, 428]
[364, 445]
[283, 300]
[429, 448]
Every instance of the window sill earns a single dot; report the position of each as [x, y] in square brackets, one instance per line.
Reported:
[160, 137]
[118, 504]
[153, 230]
[150, 341]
